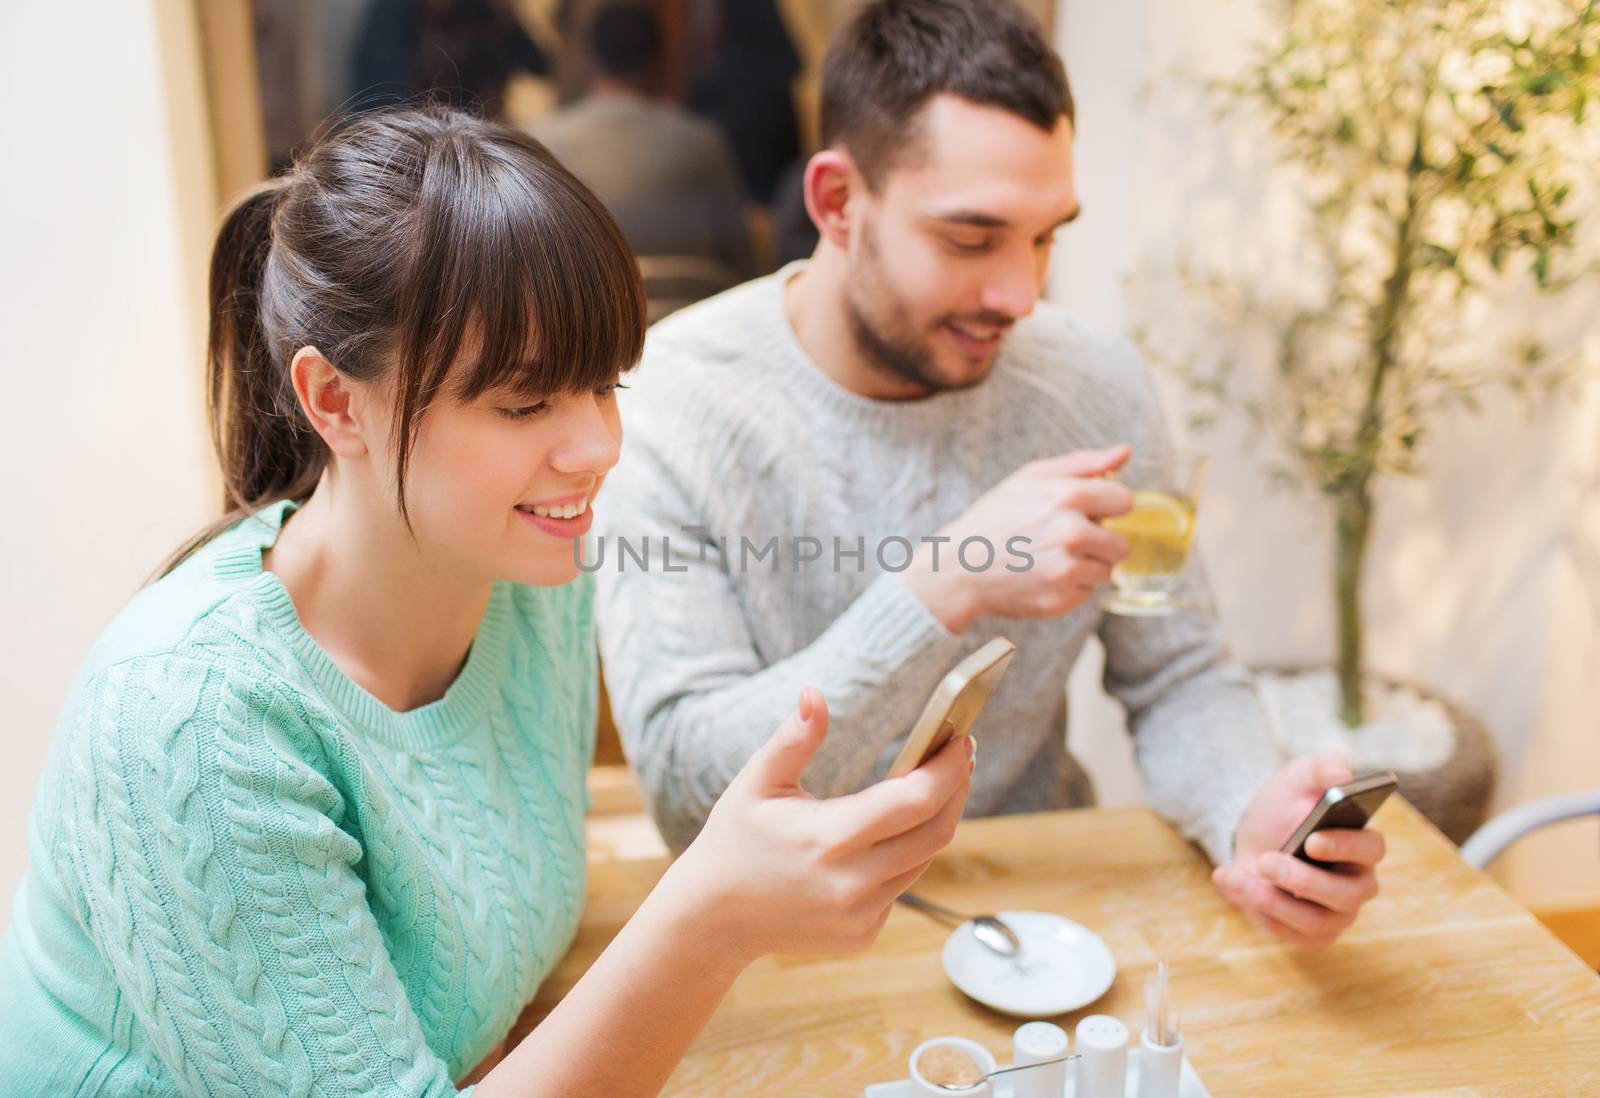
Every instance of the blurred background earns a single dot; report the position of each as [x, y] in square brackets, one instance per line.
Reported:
[130, 125]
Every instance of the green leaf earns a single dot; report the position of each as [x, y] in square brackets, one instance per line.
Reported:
[1507, 110]
[1435, 255]
[1499, 150]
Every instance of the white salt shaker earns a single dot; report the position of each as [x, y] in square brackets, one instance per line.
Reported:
[1102, 1057]
[1034, 1043]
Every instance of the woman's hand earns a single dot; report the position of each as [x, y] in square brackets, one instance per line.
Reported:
[776, 870]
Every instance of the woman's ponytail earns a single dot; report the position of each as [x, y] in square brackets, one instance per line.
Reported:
[267, 449]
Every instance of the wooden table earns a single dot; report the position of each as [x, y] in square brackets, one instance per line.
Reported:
[1445, 985]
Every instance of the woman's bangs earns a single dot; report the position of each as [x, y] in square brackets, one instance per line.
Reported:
[553, 294]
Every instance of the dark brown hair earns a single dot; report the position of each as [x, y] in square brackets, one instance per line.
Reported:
[398, 244]
[895, 55]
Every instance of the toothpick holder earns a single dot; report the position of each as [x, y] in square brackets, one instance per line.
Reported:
[1160, 1067]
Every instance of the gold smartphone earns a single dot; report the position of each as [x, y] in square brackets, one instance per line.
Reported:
[954, 704]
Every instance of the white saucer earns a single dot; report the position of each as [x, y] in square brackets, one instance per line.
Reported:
[1063, 966]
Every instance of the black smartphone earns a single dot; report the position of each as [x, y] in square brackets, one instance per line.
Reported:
[1349, 805]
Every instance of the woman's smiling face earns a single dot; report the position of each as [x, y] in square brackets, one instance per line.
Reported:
[491, 482]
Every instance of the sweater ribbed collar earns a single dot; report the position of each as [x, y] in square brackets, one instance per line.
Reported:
[237, 560]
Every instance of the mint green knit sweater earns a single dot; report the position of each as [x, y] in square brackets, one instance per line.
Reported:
[250, 877]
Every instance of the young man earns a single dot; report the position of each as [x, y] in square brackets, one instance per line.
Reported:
[807, 453]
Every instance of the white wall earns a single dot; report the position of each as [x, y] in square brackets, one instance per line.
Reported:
[1485, 573]
[105, 200]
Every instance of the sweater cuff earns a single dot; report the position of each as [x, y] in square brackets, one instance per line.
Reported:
[896, 627]
[1215, 832]
[1216, 836]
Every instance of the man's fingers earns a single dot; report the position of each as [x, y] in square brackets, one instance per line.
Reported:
[1096, 499]
[1085, 539]
[1337, 892]
[1288, 933]
[1253, 893]
[1313, 774]
[1360, 847]
[1083, 589]
[1312, 920]
[1088, 463]
[1330, 768]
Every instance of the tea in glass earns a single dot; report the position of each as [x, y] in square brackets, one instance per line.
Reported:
[1159, 529]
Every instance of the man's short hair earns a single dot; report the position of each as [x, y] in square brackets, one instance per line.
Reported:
[624, 39]
[895, 55]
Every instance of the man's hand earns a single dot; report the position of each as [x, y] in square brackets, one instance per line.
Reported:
[1055, 506]
[1282, 894]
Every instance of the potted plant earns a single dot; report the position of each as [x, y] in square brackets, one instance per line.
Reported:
[1436, 144]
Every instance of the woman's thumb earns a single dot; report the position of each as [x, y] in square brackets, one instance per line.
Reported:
[781, 760]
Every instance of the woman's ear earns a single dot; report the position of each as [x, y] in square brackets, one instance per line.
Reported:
[831, 181]
[329, 402]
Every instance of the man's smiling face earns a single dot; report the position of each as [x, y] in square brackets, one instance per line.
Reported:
[950, 247]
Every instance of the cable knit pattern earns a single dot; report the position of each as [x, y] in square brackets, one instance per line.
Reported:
[248, 877]
[737, 438]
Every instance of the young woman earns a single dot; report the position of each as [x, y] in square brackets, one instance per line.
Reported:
[312, 823]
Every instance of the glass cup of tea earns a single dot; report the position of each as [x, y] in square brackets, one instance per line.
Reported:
[1159, 529]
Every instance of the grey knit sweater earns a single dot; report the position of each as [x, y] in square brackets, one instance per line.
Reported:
[710, 628]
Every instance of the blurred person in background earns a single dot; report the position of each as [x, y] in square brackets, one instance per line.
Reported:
[667, 176]
[744, 83]
[459, 52]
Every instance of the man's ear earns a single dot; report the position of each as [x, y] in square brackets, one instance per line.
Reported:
[329, 402]
[831, 182]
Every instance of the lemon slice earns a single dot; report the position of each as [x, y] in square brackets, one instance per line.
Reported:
[1157, 516]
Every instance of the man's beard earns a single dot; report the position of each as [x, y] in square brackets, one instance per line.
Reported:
[891, 346]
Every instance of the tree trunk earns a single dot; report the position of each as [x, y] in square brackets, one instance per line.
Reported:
[1353, 489]
[1354, 508]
